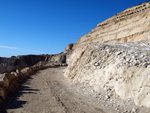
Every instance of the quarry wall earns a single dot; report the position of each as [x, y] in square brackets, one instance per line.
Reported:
[122, 69]
[11, 64]
[131, 25]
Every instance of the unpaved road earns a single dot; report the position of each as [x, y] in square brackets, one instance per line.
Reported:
[48, 91]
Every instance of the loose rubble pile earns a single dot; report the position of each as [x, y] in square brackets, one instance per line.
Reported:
[121, 69]
[11, 82]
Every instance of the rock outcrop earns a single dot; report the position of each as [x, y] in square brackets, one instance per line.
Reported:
[131, 25]
[114, 56]
[120, 68]
[19, 62]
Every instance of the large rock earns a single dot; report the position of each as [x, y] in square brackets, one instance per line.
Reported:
[68, 51]
[61, 57]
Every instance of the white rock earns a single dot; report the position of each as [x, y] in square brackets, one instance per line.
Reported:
[94, 77]
[118, 53]
[133, 110]
[107, 96]
[96, 64]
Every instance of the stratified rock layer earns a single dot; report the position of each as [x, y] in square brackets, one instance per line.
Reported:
[131, 25]
[100, 61]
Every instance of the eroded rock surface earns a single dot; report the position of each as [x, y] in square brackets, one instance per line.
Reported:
[121, 69]
[114, 56]
[130, 25]
[19, 62]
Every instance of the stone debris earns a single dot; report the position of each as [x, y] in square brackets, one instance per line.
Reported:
[115, 68]
[133, 110]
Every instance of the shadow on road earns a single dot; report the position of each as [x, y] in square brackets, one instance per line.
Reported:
[13, 102]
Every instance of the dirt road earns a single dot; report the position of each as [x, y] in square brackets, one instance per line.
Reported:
[48, 91]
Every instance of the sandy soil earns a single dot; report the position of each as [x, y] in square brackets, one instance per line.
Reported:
[48, 91]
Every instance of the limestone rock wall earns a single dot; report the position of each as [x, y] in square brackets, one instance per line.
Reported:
[122, 69]
[131, 25]
[114, 56]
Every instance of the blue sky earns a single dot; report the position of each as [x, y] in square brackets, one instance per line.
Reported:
[48, 26]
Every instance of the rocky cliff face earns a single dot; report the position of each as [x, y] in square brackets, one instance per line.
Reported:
[114, 56]
[120, 68]
[131, 25]
[19, 62]
[13, 63]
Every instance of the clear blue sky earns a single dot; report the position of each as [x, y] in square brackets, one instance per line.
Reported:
[48, 26]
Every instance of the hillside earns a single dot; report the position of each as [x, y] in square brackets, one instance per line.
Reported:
[114, 57]
[131, 25]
